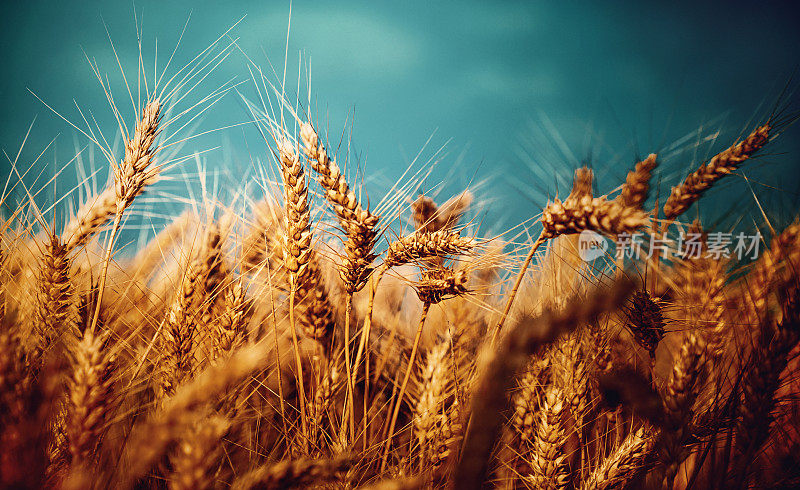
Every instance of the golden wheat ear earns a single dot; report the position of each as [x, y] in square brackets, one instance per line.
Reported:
[91, 397]
[295, 474]
[434, 420]
[56, 307]
[577, 213]
[198, 454]
[358, 223]
[678, 398]
[637, 183]
[134, 173]
[720, 165]
[619, 467]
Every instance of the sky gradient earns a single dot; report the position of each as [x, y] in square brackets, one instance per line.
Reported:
[519, 92]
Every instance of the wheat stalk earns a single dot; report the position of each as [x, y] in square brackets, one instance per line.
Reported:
[296, 250]
[130, 178]
[358, 225]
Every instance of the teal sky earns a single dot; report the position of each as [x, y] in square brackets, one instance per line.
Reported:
[494, 81]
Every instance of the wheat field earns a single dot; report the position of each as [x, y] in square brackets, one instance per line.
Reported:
[300, 338]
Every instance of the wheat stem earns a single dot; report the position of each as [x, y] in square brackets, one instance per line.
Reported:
[520, 275]
[298, 367]
[399, 398]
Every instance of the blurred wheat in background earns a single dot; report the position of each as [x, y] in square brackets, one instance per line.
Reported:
[304, 333]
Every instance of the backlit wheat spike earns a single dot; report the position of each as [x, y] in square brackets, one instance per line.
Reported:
[297, 252]
[297, 239]
[637, 183]
[179, 332]
[211, 272]
[299, 257]
[678, 398]
[135, 172]
[91, 397]
[358, 223]
[701, 281]
[421, 245]
[547, 456]
[430, 419]
[323, 398]
[570, 375]
[131, 177]
[618, 467]
[434, 285]
[230, 325]
[317, 314]
[577, 213]
[302, 473]
[56, 313]
[428, 216]
[526, 401]
[587, 213]
[761, 381]
[719, 166]
[776, 267]
[198, 455]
